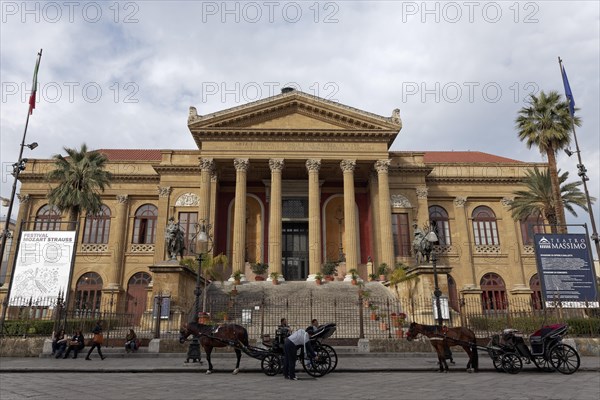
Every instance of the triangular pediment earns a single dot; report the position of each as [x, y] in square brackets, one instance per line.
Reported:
[293, 110]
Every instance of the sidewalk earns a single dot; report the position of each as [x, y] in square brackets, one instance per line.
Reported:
[225, 362]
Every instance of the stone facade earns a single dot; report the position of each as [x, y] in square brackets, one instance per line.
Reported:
[295, 181]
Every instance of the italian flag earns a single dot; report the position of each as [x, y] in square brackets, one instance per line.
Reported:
[34, 85]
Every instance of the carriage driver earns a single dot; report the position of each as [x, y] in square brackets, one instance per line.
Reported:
[298, 338]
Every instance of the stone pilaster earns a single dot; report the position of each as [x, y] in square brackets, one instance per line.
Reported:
[385, 213]
[351, 242]
[314, 216]
[120, 243]
[422, 206]
[164, 195]
[464, 240]
[239, 217]
[276, 165]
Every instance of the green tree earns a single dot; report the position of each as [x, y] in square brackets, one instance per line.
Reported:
[545, 123]
[80, 178]
[537, 197]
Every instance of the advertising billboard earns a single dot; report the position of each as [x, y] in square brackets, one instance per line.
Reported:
[566, 270]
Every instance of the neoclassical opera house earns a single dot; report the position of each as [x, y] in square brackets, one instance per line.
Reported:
[296, 181]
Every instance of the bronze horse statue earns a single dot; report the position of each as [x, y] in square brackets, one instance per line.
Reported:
[421, 246]
[442, 337]
[212, 336]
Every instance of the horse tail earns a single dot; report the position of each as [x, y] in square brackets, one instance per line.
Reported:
[245, 337]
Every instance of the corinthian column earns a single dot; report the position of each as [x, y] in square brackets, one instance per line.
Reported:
[206, 167]
[385, 213]
[239, 214]
[276, 165]
[351, 242]
[314, 216]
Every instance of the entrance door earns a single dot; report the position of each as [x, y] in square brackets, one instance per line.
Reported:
[295, 251]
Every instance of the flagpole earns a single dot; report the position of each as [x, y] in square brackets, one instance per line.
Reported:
[17, 168]
[581, 168]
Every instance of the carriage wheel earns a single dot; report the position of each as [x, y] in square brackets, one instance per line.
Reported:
[332, 355]
[497, 361]
[320, 366]
[564, 359]
[543, 363]
[271, 364]
[511, 363]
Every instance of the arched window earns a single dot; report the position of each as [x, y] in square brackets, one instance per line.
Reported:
[439, 215]
[137, 295]
[88, 295]
[493, 296]
[144, 228]
[531, 225]
[47, 219]
[485, 229]
[453, 294]
[97, 227]
[536, 297]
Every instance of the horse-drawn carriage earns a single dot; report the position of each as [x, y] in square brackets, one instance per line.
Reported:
[324, 362]
[271, 353]
[547, 352]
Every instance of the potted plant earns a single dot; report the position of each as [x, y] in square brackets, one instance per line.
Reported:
[382, 271]
[237, 277]
[374, 316]
[274, 277]
[318, 278]
[259, 269]
[354, 276]
[329, 270]
[372, 277]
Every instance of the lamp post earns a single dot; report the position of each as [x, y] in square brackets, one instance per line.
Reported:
[17, 168]
[202, 238]
[433, 238]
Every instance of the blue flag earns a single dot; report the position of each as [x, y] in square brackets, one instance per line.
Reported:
[568, 92]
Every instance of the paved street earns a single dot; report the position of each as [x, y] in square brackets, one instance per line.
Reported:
[383, 376]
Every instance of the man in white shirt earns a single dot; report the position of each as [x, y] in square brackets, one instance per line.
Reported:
[298, 338]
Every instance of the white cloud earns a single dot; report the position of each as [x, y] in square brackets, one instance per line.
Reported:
[159, 58]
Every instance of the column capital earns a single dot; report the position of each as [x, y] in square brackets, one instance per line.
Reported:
[382, 166]
[206, 164]
[276, 164]
[507, 201]
[241, 164]
[122, 198]
[164, 191]
[23, 198]
[460, 201]
[348, 165]
[313, 165]
[422, 192]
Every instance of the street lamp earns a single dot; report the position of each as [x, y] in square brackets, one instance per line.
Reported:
[17, 168]
[203, 240]
[433, 238]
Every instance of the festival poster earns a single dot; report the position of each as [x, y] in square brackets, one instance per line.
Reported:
[42, 266]
[566, 270]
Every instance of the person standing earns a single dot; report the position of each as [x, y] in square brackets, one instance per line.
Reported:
[97, 340]
[76, 344]
[298, 338]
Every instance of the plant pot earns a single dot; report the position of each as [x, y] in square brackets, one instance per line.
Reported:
[259, 278]
[318, 282]
[329, 278]
[382, 278]
[373, 316]
[383, 326]
[400, 333]
[275, 282]
[237, 282]
[354, 282]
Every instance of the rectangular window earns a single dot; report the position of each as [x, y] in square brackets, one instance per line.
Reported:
[188, 221]
[401, 235]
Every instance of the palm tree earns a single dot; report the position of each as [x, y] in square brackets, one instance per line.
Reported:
[537, 198]
[545, 123]
[80, 177]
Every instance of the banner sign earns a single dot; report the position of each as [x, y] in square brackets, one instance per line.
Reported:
[566, 270]
[42, 266]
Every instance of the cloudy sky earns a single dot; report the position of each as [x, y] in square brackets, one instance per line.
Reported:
[123, 74]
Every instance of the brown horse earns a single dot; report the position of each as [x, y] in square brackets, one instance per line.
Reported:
[217, 336]
[442, 337]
